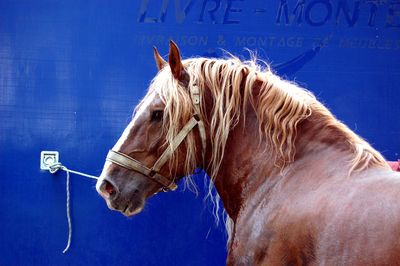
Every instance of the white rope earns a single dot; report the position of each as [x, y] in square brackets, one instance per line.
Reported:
[54, 168]
[68, 217]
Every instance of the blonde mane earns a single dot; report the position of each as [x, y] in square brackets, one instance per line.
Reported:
[279, 105]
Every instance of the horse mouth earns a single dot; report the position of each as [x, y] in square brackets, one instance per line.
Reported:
[131, 208]
[127, 211]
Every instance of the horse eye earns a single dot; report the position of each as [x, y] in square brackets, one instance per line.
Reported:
[157, 115]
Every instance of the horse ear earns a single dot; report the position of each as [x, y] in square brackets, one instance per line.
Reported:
[174, 59]
[159, 60]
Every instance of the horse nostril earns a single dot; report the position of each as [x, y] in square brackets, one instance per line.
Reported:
[108, 188]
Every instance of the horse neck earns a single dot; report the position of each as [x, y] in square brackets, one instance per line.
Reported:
[249, 164]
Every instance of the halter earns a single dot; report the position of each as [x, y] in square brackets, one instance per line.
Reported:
[153, 173]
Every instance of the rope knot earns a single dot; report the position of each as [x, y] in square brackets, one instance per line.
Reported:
[54, 167]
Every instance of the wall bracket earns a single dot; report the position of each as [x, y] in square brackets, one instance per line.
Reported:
[48, 158]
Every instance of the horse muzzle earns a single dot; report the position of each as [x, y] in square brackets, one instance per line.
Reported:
[128, 204]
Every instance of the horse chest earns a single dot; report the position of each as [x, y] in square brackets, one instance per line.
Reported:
[272, 252]
[261, 242]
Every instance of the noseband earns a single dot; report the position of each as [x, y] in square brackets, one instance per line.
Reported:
[153, 173]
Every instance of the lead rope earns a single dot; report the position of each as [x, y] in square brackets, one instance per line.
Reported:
[68, 217]
[54, 168]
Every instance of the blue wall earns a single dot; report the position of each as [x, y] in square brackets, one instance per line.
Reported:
[72, 71]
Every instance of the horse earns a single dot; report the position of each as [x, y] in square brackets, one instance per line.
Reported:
[299, 187]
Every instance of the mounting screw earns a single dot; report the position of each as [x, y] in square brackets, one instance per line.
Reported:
[48, 158]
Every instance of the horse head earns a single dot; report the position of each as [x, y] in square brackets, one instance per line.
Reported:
[149, 156]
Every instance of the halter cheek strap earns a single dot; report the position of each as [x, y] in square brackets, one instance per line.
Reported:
[153, 173]
[130, 163]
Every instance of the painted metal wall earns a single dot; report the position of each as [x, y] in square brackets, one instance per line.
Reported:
[72, 71]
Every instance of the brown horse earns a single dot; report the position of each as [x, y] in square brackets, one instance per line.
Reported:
[298, 185]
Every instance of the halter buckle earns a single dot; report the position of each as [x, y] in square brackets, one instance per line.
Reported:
[195, 94]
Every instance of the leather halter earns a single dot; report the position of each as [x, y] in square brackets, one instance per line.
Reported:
[153, 173]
